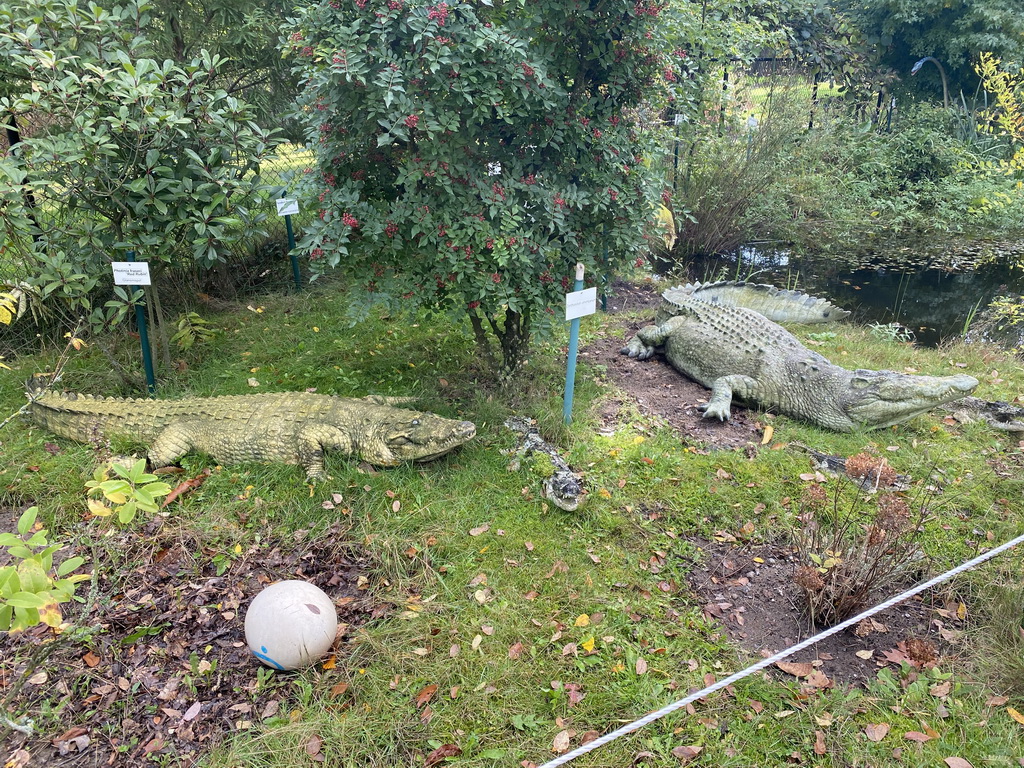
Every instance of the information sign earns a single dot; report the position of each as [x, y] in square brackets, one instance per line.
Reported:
[131, 272]
[580, 303]
[287, 206]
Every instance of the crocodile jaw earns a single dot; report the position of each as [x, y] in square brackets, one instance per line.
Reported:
[877, 399]
[428, 436]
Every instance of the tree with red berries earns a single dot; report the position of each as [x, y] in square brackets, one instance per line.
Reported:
[468, 155]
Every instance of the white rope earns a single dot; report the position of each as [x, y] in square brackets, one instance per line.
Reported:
[669, 709]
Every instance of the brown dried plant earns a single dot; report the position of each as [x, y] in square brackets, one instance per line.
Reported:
[852, 547]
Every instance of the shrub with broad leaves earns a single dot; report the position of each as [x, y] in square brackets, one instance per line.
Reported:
[31, 591]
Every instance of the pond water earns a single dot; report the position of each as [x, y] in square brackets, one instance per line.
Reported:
[929, 289]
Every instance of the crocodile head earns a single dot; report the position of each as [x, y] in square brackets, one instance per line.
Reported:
[425, 436]
[881, 398]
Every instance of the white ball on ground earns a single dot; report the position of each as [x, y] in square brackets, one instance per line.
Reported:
[290, 624]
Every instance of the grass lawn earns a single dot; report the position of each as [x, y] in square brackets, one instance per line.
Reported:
[483, 626]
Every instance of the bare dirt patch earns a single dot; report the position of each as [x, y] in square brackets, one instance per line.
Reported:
[166, 670]
[749, 590]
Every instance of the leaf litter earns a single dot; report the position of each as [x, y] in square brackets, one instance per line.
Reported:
[167, 671]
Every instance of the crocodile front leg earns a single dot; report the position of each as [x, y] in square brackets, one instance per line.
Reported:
[645, 343]
[722, 391]
[312, 440]
[175, 441]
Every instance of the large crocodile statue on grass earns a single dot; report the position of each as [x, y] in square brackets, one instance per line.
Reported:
[708, 333]
[286, 427]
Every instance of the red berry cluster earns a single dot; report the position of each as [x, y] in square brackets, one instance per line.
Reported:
[349, 220]
[647, 9]
[411, 121]
[438, 13]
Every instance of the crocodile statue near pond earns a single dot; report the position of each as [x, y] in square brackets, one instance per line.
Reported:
[708, 334]
[286, 427]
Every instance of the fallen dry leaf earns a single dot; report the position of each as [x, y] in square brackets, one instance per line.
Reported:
[561, 742]
[641, 666]
[439, 754]
[796, 668]
[312, 747]
[185, 487]
[819, 743]
[425, 695]
[917, 736]
[818, 679]
[480, 529]
[686, 754]
[1015, 715]
[957, 762]
[876, 731]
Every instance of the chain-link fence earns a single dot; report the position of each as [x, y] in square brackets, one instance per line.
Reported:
[259, 259]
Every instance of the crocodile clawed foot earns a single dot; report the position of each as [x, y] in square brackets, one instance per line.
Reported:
[637, 350]
[712, 411]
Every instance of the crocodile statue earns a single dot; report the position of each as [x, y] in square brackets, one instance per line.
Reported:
[780, 305]
[737, 351]
[287, 427]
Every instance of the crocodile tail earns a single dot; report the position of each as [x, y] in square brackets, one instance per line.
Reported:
[778, 305]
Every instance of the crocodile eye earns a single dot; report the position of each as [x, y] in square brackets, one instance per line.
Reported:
[415, 422]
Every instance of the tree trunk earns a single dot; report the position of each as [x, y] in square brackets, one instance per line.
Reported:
[514, 336]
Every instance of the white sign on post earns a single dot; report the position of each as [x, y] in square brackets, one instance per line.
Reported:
[287, 206]
[580, 303]
[131, 272]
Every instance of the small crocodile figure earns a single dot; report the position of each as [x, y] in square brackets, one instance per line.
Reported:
[562, 486]
[286, 427]
[737, 351]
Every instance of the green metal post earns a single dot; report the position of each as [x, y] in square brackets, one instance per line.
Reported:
[140, 321]
[291, 251]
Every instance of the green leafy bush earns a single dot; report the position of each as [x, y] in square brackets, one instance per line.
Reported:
[131, 489]
[30, 590]
[470, 154]
[134, 152]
